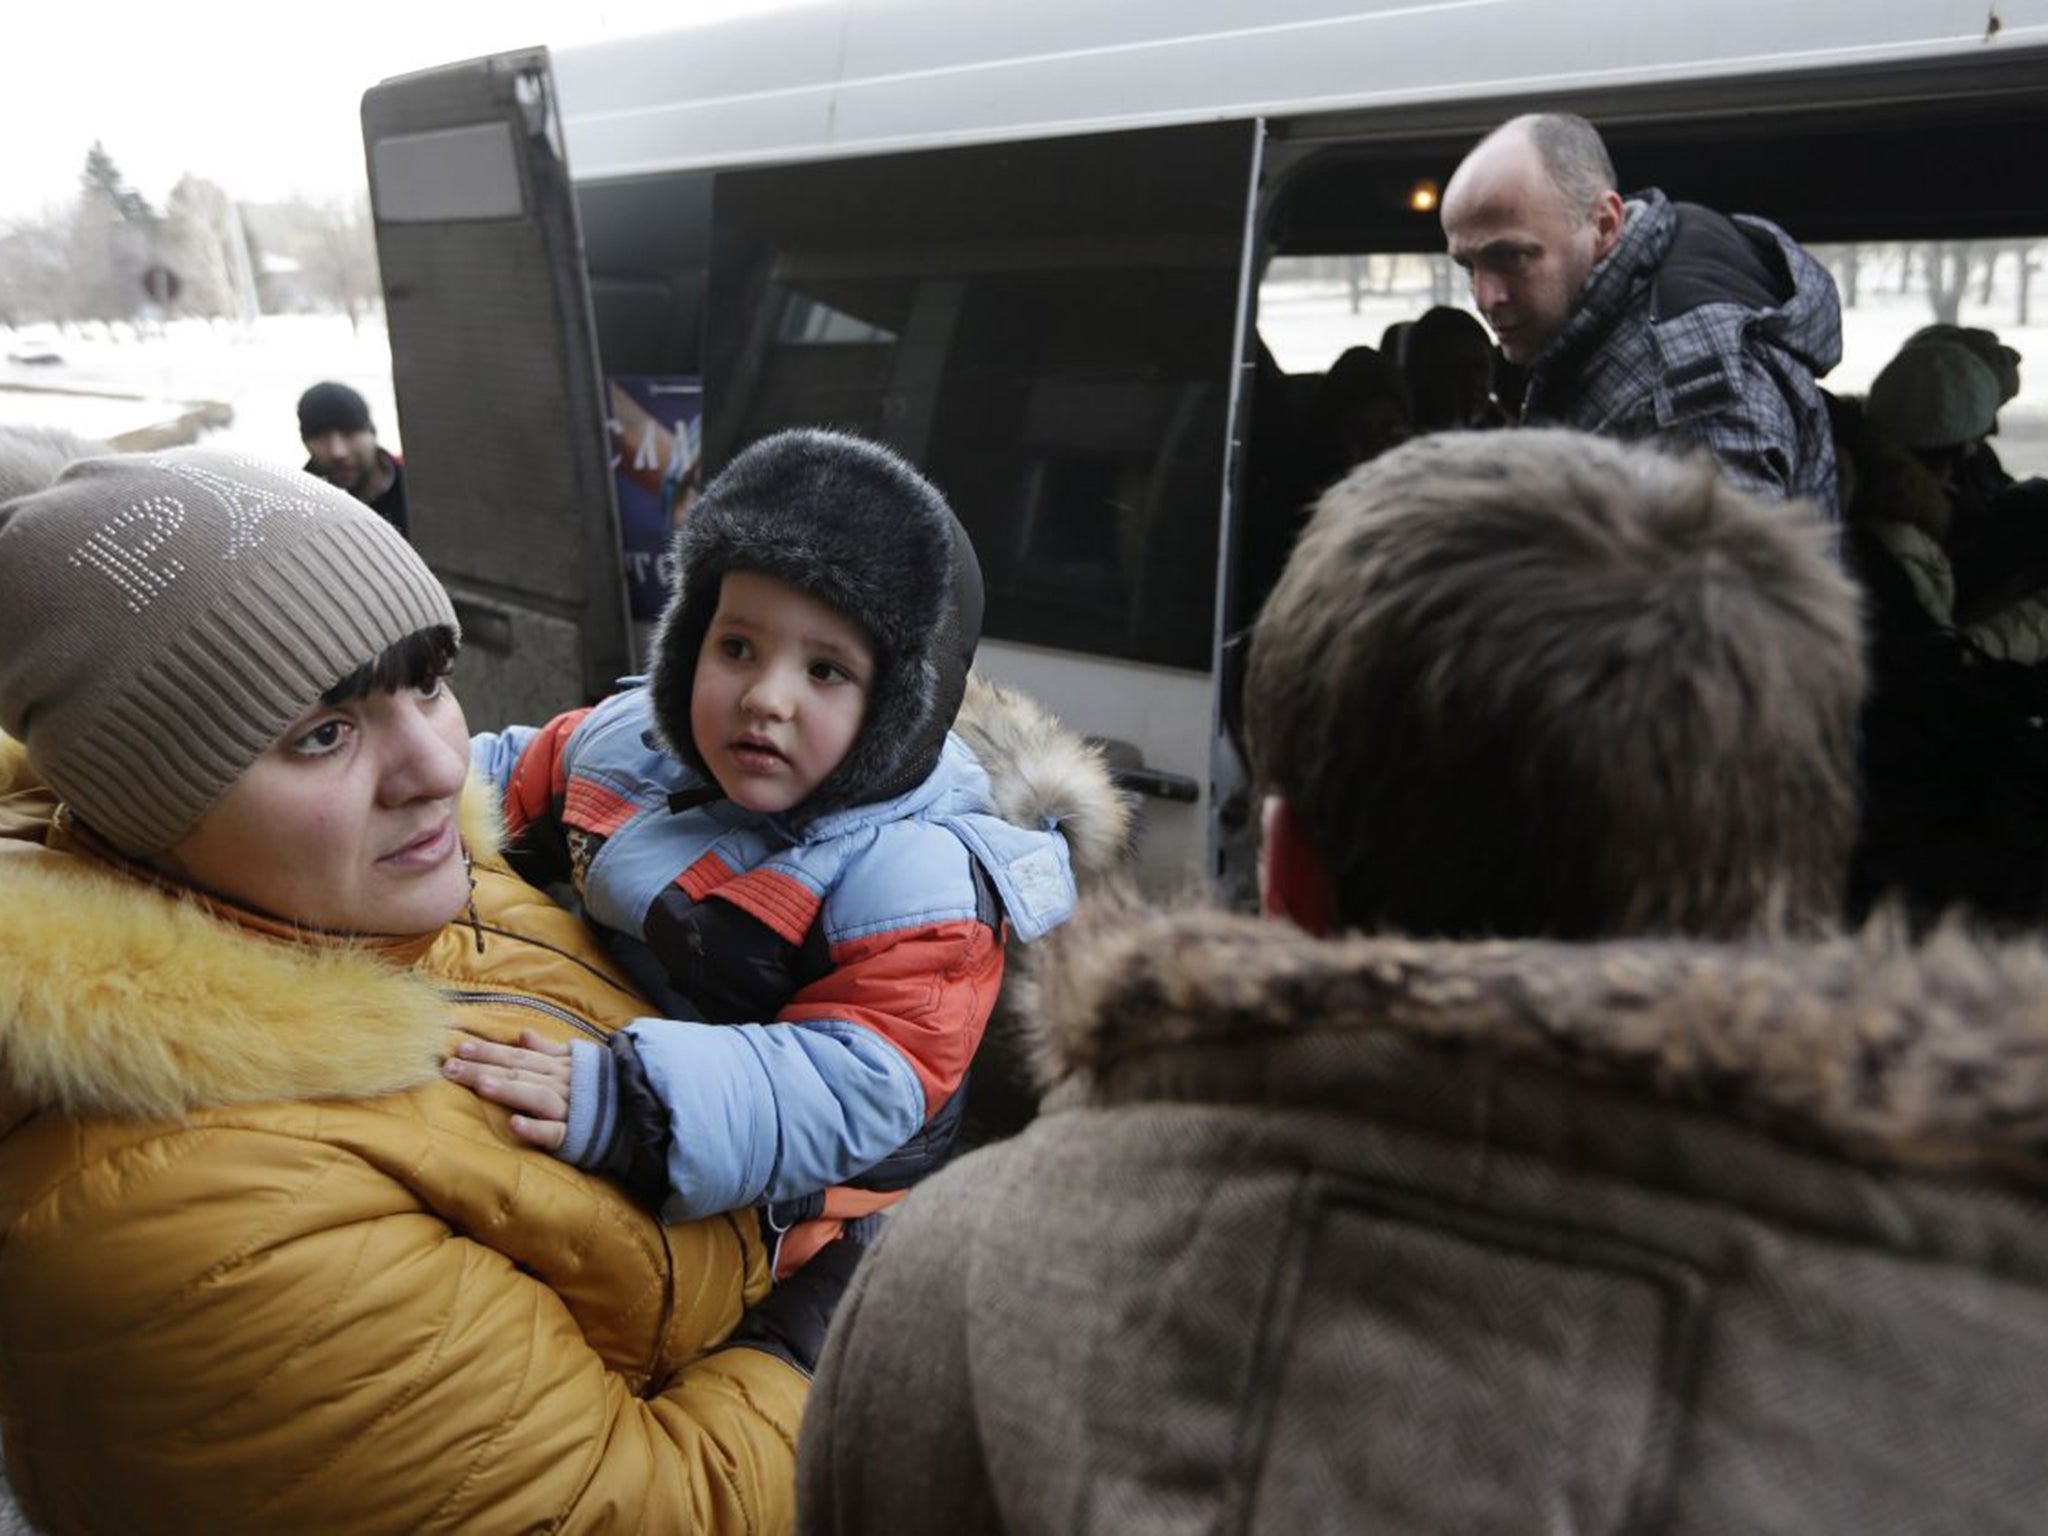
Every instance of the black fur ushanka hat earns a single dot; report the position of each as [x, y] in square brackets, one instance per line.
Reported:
[850, 523]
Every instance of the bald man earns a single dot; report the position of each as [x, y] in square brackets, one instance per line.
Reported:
[1644, 318]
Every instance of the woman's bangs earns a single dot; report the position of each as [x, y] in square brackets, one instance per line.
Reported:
[418, 659]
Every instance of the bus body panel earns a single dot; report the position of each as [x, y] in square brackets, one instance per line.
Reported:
[868, 76]
[1163, 712]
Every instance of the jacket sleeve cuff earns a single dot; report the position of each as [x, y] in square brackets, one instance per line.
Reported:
[593, 1105]
[723, 1152]
[772, 1111]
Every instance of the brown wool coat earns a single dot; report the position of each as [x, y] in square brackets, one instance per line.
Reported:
[262, 1269]
[1381, 1235]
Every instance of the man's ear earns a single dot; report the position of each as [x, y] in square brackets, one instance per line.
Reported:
[1294, 882]
[1610, 214]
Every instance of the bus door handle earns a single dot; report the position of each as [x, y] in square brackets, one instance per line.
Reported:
[1127, 767]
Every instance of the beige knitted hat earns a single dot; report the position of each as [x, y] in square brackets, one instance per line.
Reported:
[164, 617]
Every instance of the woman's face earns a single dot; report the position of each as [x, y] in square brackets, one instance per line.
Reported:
[348, 822]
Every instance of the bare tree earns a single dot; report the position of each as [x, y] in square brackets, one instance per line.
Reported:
[205, 246]
[1948, 276]
[1444, 279]
[332, 247]
[343, 268]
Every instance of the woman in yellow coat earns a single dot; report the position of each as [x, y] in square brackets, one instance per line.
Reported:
[261, 1268]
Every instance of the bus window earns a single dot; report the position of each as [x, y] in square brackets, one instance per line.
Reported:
[647, 244]
[1890, 290]
[1046, 328]
[647, 240]
[1312, 309]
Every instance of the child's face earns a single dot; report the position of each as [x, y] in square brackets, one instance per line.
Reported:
[782, 688]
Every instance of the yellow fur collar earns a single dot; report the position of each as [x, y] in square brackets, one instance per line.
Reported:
[119, 998]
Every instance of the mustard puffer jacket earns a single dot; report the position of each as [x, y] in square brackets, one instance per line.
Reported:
[262, 1269]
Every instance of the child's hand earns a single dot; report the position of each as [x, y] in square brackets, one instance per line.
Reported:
[531, 1079]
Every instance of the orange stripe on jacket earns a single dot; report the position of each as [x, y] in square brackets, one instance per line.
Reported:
[804, 1241]
[927, 991]
[783, 902]
[538, 780]
[704, 876]
[593, 808]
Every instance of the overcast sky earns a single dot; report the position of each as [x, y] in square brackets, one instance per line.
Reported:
[260, 97]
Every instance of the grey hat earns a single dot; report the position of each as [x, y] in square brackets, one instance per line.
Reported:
[850, 523]
[2003, 361]
[1935, 394]
[164, 617]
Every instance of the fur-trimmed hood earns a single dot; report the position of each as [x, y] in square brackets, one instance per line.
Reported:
[1041, 774]
[124, 997]
[1931, 1055]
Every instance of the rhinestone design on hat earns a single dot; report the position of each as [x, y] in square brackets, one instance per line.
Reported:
[249, 505]
[125, 548]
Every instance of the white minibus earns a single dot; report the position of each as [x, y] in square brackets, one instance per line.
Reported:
[1083, 261]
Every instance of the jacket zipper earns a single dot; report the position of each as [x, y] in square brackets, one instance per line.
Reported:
[652, 1369]
[552, 1010]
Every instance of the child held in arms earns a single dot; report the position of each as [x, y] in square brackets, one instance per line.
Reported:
[792, 854]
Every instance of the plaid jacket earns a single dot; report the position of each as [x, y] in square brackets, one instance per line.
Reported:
[1698, 328]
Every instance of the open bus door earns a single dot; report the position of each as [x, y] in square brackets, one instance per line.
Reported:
[507, 460]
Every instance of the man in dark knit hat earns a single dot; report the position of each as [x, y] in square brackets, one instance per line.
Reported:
[341, 444]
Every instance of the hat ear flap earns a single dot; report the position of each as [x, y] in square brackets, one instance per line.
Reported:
[672, 679]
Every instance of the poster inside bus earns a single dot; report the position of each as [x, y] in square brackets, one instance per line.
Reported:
[656, 426]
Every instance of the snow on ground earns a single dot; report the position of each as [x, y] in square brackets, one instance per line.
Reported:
[90, 416]
[260, 372]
